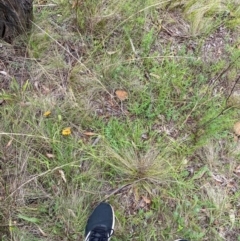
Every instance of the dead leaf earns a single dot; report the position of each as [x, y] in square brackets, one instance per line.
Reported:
[145, 136]
[62, 175]
[237, 170]
[23, 104]
[42, 232]
[89, 133]
[111, 52]
[3, 73]
[232, 185]
[49, 155]
[121, 94]
[236, 128]
[155, 76]
[72, 213]
[232, 216]
[9, 143]
[218, 178]
[74, 4]
[146, 200]
[46, 90]
[136, 194]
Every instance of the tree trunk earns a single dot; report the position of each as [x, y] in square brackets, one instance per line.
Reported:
[15, 18]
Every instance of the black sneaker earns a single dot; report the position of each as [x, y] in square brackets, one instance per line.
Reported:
[100, 224]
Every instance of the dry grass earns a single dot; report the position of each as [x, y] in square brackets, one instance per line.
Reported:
[164, 158]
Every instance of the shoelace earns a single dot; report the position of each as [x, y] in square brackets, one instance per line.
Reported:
[100, 234]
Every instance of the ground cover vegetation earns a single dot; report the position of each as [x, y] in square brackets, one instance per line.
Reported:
[130, 102]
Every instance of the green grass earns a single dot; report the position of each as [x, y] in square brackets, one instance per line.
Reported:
[165, 158]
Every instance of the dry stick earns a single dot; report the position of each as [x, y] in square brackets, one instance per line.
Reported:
[22, 134]
[42, 174]
[193, 109]
[45, 5]
[116, 191]
[233, 89]
[12, 225]
[213, 80]
[225, 109]
[121, 188]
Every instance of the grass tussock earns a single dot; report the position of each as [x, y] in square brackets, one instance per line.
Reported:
[164, 156]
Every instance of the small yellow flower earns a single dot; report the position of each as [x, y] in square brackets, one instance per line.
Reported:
[47, 113]
[66, 131]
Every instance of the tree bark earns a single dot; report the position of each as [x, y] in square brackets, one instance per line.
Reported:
[15, 18]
